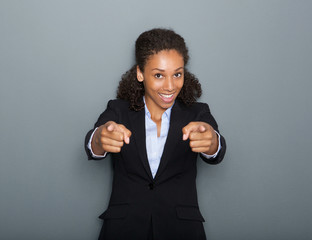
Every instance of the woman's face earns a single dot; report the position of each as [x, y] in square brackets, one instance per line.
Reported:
[163, 78]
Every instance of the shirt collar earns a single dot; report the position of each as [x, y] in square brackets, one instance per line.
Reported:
[167, 112]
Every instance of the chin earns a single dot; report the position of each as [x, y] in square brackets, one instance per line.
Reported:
[167, 105]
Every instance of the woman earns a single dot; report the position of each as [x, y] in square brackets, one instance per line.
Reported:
[154, 131]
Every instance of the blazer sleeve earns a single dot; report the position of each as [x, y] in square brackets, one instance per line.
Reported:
[206, 116]
[110, 114]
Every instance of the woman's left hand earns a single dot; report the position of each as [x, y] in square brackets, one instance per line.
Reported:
[203, 138]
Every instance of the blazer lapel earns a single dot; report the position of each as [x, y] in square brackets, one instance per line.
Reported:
[174, 133]
[137, 120]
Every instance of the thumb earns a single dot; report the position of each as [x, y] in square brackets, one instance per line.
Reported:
[110, 127]
[201, 128]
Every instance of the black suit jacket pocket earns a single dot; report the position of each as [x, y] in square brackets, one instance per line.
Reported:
[189, 213]
[115, 212]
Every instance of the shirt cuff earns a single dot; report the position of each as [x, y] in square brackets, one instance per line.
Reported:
[89, 147]
[219, 147]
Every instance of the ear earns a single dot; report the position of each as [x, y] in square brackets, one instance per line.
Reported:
[140, 76]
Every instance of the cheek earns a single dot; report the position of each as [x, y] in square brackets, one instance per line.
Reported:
[180, 83]
[155, 85]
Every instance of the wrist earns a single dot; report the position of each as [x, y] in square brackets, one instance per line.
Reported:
[95, 144]
[214, 145]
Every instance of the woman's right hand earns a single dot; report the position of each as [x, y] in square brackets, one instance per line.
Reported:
[110, 137]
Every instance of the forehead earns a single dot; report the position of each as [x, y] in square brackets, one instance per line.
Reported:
[165, 59]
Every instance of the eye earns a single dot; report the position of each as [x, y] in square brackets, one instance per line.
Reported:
[177, 75]
[158, 75]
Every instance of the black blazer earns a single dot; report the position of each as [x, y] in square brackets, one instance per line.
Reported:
[167, 203]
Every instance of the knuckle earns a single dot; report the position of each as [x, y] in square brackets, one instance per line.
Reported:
[120, 137]
[103, 132]
[194, 149]
[104, 140]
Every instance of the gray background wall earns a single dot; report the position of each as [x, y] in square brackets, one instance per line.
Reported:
[60, 62]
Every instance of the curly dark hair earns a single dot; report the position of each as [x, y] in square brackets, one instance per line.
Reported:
[149, 43]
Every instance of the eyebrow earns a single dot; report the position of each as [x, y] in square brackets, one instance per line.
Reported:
[162, 70]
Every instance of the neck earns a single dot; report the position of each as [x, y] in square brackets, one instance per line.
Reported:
[156, 115]
[155, 111]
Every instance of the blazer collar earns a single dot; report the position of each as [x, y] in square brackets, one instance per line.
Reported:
[174, 133]
[175, 130]
[137, 120]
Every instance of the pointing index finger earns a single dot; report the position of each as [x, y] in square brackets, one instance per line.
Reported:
[187, 130]
[192, 127]
[126, 133]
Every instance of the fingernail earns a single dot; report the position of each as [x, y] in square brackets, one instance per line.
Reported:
[184, 137]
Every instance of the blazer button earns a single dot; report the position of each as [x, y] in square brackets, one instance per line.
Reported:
[151, 186]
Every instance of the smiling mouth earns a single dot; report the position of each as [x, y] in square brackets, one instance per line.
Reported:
[168, 96]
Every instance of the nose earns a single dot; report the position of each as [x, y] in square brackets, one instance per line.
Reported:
[169, 84]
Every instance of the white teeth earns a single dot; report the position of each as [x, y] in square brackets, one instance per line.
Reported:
[166, 95]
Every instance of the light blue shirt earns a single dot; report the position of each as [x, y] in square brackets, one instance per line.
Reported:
[154, 144]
